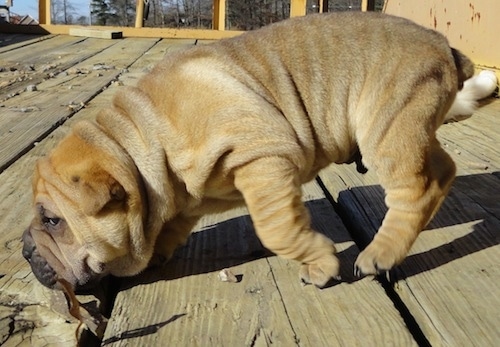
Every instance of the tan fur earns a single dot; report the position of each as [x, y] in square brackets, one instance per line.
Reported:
[249, 120]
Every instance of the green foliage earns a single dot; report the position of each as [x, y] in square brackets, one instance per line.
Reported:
[100, 12]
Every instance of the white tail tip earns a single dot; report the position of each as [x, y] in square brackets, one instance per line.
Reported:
[475, 88]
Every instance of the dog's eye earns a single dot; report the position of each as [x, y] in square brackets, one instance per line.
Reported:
[51, 221]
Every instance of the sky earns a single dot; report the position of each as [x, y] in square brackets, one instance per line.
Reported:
[22, 7]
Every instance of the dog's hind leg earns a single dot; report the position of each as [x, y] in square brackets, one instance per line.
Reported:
[272, 192]
[413, 197]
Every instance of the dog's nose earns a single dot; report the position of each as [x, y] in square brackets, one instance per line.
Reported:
[27, 254]
[28, 245]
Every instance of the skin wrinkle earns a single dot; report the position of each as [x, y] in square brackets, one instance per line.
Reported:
[252, 118]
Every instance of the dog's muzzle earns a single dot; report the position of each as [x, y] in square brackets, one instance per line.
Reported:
[39, 265]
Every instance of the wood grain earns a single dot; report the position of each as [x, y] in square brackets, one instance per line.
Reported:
[448, 280]
[444, 294]
[59, 98]
[29, 311]
[268, 306]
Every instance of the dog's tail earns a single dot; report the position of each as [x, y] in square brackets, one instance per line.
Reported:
[473, 88]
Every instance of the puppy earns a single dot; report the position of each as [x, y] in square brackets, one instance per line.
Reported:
[249, 120]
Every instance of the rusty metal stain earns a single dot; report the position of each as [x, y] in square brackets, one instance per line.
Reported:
[471, 25]
[474, 14]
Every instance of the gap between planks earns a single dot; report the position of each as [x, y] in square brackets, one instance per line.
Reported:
[456, 256]
[31, 309]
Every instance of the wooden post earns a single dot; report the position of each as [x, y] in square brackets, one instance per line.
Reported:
[297, 8]
[44, 12]
[219, 15]
[139, 13]
[367, 5]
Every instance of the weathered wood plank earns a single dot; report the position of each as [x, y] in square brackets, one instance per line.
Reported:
[268, 306]
[28, 311]
[331, 317]
[9, 42]
[201, 310]
[97, 33]
[473, 143]
[49, 48]
[457, 256]
[59, 98]
[32, 64]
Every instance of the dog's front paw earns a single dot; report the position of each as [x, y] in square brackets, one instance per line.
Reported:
[319, 273]
[377, 258]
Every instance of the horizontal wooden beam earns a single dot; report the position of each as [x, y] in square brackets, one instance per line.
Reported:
[60, 29]
[97, 33]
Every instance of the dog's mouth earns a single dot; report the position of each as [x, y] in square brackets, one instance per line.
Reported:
[46, 274]
[43, 272]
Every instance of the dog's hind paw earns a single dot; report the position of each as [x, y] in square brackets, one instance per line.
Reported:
[320, 272]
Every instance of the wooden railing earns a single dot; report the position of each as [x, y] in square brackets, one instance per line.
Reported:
[297, 8]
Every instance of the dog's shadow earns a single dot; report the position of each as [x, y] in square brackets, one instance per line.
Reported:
[234, 242]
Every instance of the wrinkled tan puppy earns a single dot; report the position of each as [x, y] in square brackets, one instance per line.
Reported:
[250, 119]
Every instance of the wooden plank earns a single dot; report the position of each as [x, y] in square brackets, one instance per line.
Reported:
[31, 64]
[38, 50]
[330, 317]
[455, 258]
[192, 307]
[29, 311]
[48, 106]
[474, 142]
[60, 29]
[9, 42]
[96, 33]
[269, 306]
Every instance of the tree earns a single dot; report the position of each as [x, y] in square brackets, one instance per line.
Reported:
[122, 12]
[82, 20]
[253, 14]
[62, 11]
[99, 10]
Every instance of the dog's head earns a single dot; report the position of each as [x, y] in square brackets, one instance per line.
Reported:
[89, 212]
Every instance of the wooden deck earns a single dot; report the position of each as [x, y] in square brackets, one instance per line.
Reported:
[446, 293]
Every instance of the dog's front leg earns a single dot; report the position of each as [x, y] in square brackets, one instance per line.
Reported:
[173, 235]
[272, 192]
[413, 197]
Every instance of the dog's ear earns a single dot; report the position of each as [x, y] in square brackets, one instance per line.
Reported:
[90, 177]
[99, 193]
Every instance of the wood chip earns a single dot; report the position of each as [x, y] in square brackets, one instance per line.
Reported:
[477, 165]
[225, 275]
